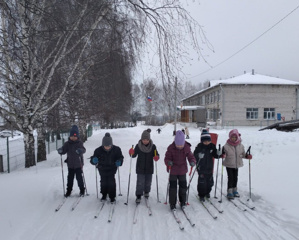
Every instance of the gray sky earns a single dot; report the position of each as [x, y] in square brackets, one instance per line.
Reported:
[236, 26]
[231, 25]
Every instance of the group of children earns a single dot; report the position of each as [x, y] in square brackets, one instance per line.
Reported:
[108, 157]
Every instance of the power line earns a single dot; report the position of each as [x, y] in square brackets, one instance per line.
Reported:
[247, 45]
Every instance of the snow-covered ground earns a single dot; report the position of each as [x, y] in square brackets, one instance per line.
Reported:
[29, 197]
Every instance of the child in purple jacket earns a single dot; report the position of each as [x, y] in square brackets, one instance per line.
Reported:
[175, 159]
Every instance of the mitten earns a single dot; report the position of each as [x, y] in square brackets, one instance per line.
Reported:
[192, 164]
[79, 151]
[59, 150]
[118, 163]
[156, 158]
[201, 155]
[223, 155]
[219, 152]
[170, 163]
[94, 160]
[249, 156]
[131, 151]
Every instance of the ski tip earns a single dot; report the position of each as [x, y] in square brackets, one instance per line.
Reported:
[193, 225]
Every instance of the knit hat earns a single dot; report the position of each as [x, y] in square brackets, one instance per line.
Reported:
[74, 131]
[146, 134]
[179, 139]
[205, 136]
[107, 140]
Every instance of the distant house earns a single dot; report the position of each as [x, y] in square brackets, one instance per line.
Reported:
[248, 100]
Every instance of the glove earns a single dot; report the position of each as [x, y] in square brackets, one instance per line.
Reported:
[118, 163]
[94, 160]
[156, 158]
[79, 151]
[249, 156]
[201, 155]
[192, 164]
[223, 155]
[59, 150]
[219, 152]
[170, 163]
[131, 151]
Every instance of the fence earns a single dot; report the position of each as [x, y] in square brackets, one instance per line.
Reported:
[12, 152]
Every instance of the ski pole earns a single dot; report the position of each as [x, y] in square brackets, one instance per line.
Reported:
[126, 203]
[187, 197]
[119, 182]
[217, 172]
[62, 175]
[83, 177]
[248, 153]
[168, 185]
[157, 178]
[221, 181]
[97, 188]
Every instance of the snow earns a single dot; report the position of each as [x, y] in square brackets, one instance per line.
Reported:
[248, 78]
[29, 196]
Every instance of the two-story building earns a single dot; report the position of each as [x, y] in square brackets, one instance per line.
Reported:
[248, 100]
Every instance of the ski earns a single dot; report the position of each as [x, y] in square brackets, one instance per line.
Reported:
[111, 211]
[187, 217]
[208, 210]
[100, 209]
[220, 211]
[61, 204]
[246, 204]
[148, 207]
[175, 215]
[234, 203]
[75, 204]
[136, 213]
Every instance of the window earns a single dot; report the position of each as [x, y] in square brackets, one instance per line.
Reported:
[269, 113]
[252, 113]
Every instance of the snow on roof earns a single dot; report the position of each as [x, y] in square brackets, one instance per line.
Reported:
[189, 107]
[248, 78]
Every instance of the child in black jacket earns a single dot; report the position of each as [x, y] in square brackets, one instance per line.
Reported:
[204, 153]
[107, 159]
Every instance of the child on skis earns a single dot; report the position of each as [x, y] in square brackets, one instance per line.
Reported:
[204, 153]
[175, 160]
[233, 153]
[74, 149]
[107, 158]
[147, 152]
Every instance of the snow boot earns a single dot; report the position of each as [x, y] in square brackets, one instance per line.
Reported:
[208, 195]
[138, 199]
[146, 194]
[82, 192]
[104, 197]
[230, 194]
[68, 193]
[112, 200]
[183, 205]
[235, 192]
[172, 207]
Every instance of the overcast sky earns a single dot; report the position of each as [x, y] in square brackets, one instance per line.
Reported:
[231, 25]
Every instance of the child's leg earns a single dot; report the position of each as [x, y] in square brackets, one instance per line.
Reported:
[70, 179]
[111, 187]
[173, 189]
[210, 184]
[79, 178]
[182, 189]
[148, 183]
[104, 184]
[140, 184]
[201, 185]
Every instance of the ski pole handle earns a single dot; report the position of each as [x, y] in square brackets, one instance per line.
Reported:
[248, 150]
[155, 152]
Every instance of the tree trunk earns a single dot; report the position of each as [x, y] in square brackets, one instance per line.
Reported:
[29, 150]
[41, 145]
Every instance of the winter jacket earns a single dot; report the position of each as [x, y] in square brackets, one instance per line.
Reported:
[234, 155]
[206, 164]
[74, 160]
[107, 159]
[178, 157]
[145, 162]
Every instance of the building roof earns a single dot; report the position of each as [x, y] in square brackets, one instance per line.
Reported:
[248, 78]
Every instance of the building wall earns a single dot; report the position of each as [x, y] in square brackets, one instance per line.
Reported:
[237, 98]
[231, 102]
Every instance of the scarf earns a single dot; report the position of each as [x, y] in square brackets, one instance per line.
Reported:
[145, 148]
